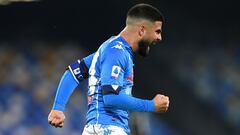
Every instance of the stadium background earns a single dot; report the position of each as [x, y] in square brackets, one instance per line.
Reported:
[197, 64]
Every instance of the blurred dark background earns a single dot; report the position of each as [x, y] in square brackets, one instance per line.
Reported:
[196, 65]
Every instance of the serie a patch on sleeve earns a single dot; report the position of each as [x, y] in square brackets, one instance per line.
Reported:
[115, 71]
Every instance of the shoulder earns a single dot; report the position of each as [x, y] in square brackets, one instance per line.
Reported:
[114, 47]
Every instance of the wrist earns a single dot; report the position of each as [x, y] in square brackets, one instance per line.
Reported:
[58, 107]
[150, 106]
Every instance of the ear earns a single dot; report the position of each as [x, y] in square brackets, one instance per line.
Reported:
[142, 30]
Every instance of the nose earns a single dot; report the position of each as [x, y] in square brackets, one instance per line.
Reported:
[159, 38]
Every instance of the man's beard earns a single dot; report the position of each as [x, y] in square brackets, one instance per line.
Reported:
[144, 47]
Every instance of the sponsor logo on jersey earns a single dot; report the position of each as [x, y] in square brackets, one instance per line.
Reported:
[117, 46]
[115, 71]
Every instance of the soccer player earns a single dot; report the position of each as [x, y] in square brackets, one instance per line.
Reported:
[110, 77]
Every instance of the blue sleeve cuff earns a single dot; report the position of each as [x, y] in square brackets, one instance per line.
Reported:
[151, 106]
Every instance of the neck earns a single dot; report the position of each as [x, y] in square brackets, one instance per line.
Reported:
[131, 37]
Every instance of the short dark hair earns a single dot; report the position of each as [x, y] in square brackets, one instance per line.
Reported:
[145, 11]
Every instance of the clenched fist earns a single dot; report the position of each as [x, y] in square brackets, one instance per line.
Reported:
[56, 118]
[161, 103]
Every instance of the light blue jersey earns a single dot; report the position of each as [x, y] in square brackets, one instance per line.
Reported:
[110, 79]
[112, 64]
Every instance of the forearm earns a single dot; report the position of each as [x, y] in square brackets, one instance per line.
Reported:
[65, 88]
[128, 103]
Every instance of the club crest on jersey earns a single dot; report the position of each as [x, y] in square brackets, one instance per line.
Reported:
[115, 71]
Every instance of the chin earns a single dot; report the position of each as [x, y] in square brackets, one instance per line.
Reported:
[144, 52]
[144, 47]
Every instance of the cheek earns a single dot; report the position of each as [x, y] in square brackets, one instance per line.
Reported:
[152, 35]
[149, 36]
